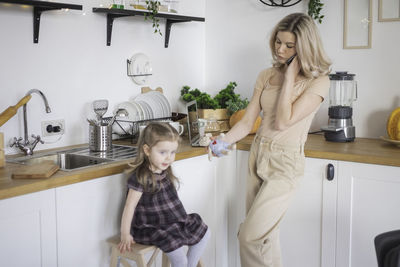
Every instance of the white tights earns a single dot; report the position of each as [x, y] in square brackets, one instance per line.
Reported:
[178, 258]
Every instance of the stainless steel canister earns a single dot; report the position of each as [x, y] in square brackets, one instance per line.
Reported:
[100, 137]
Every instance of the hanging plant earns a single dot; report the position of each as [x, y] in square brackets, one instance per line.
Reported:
[314, 10]
[153, 6]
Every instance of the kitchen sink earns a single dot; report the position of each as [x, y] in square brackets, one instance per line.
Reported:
[78, 158]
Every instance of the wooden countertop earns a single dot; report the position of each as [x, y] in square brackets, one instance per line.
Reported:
[364, 150]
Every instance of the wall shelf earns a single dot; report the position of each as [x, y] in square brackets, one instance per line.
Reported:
[38, 8]
[117, 13]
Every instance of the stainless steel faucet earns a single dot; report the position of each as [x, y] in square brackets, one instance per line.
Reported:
[24, 144]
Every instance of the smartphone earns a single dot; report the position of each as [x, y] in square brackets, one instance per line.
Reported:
[290, 59]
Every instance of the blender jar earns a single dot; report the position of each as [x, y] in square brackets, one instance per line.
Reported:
[343, 90]
[342, 93]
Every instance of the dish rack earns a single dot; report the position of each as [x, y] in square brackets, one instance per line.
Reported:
[133, 133]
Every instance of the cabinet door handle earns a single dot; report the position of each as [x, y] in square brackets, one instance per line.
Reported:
[330, 172]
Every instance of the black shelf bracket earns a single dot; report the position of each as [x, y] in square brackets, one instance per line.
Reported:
[37, 12]
[38, 8]
[117, 13]
[110, 21]
[168, 26]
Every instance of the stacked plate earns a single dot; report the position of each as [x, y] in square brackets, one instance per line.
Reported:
[156, 102]
[147, 106]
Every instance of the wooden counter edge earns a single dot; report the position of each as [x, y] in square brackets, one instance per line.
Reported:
[62, 178]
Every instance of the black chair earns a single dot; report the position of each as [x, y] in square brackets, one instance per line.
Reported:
[387, 246]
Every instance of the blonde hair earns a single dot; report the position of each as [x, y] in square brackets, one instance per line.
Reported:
[151, 135]
[312, 58]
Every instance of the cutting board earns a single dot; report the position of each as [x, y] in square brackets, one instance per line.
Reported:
[44, 169]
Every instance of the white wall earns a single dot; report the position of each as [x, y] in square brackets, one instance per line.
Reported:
[72, 65]
[237, 34]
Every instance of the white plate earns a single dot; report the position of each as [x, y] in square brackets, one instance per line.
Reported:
[149, 113]
[154, 105]
[160, 107]
[165, 106]
[140, 68]
[155, 96]
[139, 109]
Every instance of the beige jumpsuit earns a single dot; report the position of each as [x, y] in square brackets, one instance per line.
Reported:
[276, 164]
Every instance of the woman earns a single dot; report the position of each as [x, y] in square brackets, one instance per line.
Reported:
[288, 95]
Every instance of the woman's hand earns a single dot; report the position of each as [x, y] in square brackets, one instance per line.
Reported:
[125, 243]
[292, 70]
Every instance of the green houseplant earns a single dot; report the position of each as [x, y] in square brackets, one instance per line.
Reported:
[314, 10]
[153, 6]
[211, 107]
[233, 106]
[227, 94]
[204, 100]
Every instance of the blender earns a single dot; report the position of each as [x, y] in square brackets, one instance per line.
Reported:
[342, 93]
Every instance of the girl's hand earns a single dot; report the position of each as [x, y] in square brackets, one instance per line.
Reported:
[125, 243]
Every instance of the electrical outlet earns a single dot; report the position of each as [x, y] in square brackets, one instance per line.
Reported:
[56, 127]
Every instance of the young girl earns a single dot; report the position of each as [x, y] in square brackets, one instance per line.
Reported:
[153, 213]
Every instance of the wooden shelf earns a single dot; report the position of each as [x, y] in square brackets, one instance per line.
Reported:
[38, 8]
[117, 13]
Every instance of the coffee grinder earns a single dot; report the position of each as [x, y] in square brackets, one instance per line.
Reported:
[342, 93]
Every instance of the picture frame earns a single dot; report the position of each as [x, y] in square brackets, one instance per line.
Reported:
[388, 10]
[357, 26]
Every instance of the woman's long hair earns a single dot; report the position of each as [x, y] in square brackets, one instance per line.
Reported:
[151, 135]
[311, 55]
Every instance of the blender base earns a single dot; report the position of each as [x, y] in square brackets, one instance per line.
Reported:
[338, 137]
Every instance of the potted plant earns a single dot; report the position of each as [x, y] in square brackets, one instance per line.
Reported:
[226, 107]
[153, 7]
[208, 107]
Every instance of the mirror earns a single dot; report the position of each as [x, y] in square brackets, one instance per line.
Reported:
[357, 24]
[389, 10]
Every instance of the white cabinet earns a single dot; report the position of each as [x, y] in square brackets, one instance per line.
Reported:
[331, 223]
[204, 190]
[28, 230]
[309, 226]
[328, 224]
[87, 214]
[368, 204]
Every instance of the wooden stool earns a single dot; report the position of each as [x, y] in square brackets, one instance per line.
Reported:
[137, 254]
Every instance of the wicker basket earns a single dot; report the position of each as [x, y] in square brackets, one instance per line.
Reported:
[214, 114]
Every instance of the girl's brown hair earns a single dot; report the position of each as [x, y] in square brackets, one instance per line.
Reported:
[154, 132]
[311, 55]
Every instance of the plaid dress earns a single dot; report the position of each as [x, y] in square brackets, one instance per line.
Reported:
[160, 218]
